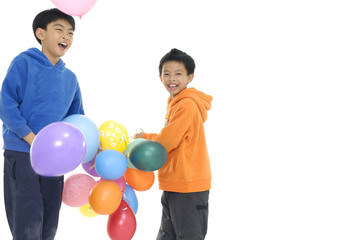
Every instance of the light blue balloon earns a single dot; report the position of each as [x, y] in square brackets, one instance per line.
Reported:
[110, 164]
[131, 198]
[90, 132]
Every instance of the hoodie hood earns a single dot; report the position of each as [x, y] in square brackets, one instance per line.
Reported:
[42, 59]
[203, 100]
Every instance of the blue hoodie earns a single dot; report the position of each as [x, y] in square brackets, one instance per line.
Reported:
[34, 94]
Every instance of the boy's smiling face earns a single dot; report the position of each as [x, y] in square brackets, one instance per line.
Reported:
[175, 77]
[56, 39]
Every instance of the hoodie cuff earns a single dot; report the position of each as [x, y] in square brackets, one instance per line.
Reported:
[146, 136]
[22, 132]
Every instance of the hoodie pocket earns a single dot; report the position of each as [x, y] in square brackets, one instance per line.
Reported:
[37, 121]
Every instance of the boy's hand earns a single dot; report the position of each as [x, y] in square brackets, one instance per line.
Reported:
[29, 138]
[139, 134]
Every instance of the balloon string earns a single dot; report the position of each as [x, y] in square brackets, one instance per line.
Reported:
[92, 165]
[125, 141]
[125, 198]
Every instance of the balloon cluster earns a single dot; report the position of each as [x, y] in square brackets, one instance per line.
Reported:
[122, 168]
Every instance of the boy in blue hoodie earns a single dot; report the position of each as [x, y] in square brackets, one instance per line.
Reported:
[37, 90]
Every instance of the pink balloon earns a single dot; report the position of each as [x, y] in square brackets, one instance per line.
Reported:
[74, 7]
[120, 181]
[77, 188]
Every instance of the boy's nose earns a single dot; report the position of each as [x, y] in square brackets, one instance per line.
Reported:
[66, 37]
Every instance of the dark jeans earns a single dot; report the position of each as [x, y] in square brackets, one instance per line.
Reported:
[32, 202]
[185, 216]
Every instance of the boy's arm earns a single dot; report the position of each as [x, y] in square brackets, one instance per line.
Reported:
[150, 136]
[11, 96]
[172, 134]
[77, 105]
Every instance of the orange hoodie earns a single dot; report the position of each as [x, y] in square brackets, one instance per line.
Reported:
[187, 168]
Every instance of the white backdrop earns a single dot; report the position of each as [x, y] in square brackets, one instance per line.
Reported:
[284, 131]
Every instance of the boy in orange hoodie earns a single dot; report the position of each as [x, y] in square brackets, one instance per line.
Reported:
[186, 176]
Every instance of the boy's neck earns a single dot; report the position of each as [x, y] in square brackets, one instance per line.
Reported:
[53, 60]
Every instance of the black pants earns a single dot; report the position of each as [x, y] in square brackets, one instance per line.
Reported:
[185, 216]
[32, 202]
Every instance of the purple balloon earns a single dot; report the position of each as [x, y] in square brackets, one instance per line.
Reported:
[57, 149]
[89, 167]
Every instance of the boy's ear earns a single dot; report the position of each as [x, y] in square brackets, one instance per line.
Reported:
[190, 77]
[40, 33]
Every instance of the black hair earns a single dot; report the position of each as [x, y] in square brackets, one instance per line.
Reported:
[179, 56]
[45, 17]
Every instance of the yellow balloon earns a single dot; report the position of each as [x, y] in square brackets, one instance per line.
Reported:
[113, 135]
[87, 211]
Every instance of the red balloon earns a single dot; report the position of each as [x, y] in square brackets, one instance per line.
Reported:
[122, 223]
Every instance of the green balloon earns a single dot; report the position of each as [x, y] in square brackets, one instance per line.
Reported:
[130, 148]
[148, 156]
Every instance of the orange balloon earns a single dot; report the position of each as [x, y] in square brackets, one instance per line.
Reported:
[105, 197]
[139, 180]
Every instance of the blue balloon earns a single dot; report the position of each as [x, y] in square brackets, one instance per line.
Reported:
[90, 132]
[131, 198]
[110, 164]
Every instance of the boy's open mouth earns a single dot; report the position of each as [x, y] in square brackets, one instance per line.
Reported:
[172, 86]
[63, 45]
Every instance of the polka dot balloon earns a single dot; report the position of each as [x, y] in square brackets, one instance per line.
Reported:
[113, 135]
